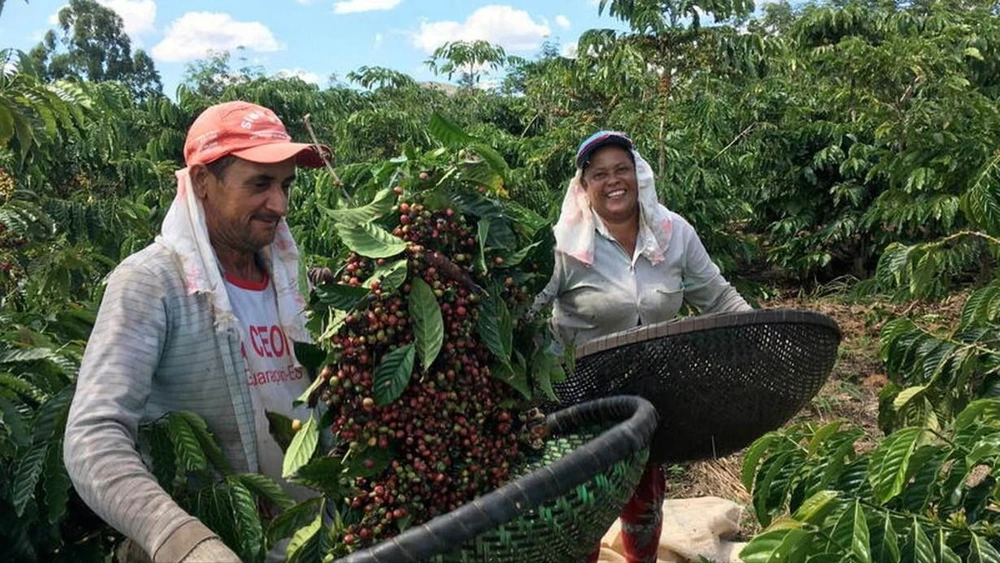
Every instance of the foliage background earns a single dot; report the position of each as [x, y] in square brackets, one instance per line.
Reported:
[823, 141]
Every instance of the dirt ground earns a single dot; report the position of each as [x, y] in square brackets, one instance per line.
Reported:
[851, 393]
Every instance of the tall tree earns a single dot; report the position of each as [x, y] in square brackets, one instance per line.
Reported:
[90, 44]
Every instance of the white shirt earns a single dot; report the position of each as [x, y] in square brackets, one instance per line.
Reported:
[274, 376]
[618, 292]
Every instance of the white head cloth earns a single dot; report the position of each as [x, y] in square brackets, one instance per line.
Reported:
[185, 232]
[577, 224]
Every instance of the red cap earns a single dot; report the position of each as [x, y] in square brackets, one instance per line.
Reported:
[247, 131]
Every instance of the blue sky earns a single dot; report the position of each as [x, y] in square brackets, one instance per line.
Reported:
[317, 38]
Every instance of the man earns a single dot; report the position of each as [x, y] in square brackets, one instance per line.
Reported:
[201, 320]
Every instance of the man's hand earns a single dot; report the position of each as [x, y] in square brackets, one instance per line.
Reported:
[319, 276]
[212, 550]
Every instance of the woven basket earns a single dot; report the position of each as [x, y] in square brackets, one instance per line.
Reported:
[718, 381]
[566, 498]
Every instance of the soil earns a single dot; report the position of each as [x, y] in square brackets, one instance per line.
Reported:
[851, 393]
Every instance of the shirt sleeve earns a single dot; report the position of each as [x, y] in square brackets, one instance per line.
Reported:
[704, 285]
[113, 387]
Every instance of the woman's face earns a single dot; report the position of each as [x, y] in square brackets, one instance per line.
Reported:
[611, 184]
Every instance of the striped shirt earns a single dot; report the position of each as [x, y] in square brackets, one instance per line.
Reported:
[154, 349]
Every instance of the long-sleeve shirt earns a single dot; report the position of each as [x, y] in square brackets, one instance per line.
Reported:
[154, 349]
[618, 292]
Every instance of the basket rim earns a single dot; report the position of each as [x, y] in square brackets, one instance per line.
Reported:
[706, 322]
[637, 422]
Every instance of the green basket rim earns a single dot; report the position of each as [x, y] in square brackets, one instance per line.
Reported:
[637, 421]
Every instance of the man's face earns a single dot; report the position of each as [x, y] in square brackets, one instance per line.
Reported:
[611, 184]
[243, 207]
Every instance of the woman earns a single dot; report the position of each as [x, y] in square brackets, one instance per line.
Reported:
[623, 260]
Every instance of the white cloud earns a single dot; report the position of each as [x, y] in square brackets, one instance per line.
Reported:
[562, 21]
[503, 25]
[378, 41]
[137, 15]
[298, 73]
[194, 34]
[569, 50]
[489, 84]
[355, 6]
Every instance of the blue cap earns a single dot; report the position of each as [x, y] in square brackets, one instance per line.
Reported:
[598, 140]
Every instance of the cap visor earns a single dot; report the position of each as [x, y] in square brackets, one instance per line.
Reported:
[304, 154]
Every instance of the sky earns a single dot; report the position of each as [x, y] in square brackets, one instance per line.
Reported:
[315, 39]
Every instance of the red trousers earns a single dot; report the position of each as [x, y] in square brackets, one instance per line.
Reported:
[642, 518]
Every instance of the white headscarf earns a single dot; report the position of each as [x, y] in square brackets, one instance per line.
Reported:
[577, 224]
[185, 232]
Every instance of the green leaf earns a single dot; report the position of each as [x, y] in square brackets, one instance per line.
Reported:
[495, 327]
[776, 546]
[14, 422]
[501, 236]
[428, 324]
[56, 483]
[890, 463]
[207, 442]
[983, 409]
[942, 552]
[370, 462]
[886, 543]
[308, 397]
[280, 428]
[918, 545]
[303, 545]
[393, 374]
[753, 456]
[164, 458]
[907, 395]
[186, 447]
[334, 322]
[214, 507]
[546, 369]
[973, 53]
[300, 451]
[50, 422]
[816, 508]
[980, 551]
[309, 355]
[323, 474]
[380, 205]
[265, 487]
[390, 275]
[248, 526]
[26, 477]
[292, 519]
[514, 259]
[448, 133]
[493, 158]
[860, 546]
[515, 376]
[339, 296]
[472, 203]
[370, 240]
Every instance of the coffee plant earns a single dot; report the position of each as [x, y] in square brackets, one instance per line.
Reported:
[806, 142]
[922, 494]
[429, 366]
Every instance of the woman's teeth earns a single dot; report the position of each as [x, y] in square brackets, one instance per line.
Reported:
[615, 194]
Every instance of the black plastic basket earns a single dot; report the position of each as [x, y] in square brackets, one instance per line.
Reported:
[566, 498]
[717, 381]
